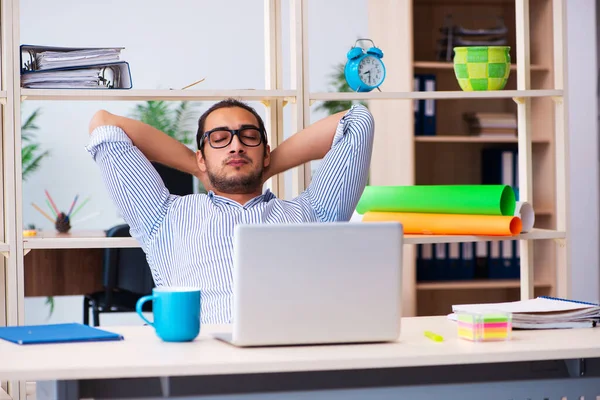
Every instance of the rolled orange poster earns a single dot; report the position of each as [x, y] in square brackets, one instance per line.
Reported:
[450, 224]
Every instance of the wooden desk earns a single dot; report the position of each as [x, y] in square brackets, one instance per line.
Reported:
[63, 272]
[534, 364]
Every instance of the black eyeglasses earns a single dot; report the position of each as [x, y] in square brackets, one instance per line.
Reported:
[218, 138]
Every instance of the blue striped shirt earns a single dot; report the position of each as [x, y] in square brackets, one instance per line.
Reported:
[188, 240]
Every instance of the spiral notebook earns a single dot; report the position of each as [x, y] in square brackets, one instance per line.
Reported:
[541, 313]
[55, 333]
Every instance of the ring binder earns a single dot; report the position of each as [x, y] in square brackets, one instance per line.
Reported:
[104, 76]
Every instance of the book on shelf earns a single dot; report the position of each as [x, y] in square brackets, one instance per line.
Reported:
[540, 313]
[52, 67]
[424, 109]
[500, 125]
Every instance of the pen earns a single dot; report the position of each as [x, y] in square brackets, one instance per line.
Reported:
[434, 336]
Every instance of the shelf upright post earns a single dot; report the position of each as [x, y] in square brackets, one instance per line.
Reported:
[524, 139]
[11, 152]
[393, 159]
[561, 147]
[9, 283]
[301, 176]
[274, 81]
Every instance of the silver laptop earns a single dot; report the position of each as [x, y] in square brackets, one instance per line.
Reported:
[316, 283]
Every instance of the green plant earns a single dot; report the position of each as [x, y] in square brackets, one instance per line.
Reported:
[337, 80]
[31, 153]
[172, 120]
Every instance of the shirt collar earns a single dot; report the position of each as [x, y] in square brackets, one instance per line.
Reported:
[266, 196]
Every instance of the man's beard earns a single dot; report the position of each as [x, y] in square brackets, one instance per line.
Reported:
[237, 184]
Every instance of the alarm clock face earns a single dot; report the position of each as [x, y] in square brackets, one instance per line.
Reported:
[370, 70]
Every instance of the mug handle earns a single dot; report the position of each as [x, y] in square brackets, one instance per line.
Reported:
[138, 307]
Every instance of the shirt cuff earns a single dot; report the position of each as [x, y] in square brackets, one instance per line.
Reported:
[105, 134]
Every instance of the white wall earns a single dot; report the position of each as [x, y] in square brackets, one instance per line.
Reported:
[583, 134]
[167, 47]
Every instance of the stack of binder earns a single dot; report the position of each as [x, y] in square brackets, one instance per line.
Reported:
[500, 165]
[48, 67]
[456, 35]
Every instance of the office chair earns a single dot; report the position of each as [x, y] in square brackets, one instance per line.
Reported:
[127, 277]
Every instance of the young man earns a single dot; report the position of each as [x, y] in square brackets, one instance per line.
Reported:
[188, 240]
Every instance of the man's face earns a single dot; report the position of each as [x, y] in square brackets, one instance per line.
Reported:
[236, 168]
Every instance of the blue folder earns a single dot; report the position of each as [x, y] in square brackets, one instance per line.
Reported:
[56, 333]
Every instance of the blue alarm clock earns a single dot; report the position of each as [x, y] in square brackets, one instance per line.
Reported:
[364, 71]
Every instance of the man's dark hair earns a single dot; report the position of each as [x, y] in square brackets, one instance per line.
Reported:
[227, 103]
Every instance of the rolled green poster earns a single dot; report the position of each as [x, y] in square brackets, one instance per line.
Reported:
[443, 199]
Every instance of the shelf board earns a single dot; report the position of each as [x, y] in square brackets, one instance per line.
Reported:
[471, 139]
[476, 284]
[143, 94]
[535, 234]
[445, 65]
[31, 243]
[4, 247]
[82, 242]
[458, 94]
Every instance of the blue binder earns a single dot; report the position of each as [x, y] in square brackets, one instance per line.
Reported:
[428, 113]
[56, 333]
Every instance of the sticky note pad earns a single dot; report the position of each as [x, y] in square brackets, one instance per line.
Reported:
[484, 326]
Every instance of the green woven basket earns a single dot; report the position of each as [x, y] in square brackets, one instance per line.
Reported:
[482, 67]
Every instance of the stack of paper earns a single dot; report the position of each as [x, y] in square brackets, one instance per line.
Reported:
[59, 59]
[541, 313]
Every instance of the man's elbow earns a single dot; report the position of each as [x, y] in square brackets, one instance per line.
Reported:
[100, 118]
[363, 117]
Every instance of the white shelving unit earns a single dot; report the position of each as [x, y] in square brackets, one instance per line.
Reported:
[407, 32]
[393, 162]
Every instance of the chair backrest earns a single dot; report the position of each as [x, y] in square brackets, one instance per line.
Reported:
[177, 182]
[126, 268]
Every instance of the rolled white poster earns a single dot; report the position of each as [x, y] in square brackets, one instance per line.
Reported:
[356, 217]
[524, 210]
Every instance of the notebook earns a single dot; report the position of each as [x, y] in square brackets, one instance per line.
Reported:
[56, 333]
[541, 313]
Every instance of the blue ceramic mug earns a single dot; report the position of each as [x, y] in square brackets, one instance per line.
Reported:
[176, 312]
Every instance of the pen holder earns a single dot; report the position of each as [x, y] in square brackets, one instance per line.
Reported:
[484, 326]
[63, 223]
